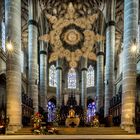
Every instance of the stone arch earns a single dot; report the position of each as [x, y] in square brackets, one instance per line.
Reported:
[91, 108]
[52, 99]
[90, 100]
[51, 108]
[3, 72]
[77, 78]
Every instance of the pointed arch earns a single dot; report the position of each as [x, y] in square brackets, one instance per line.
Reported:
[72, 79]
[3, 35]
[52, 76]
[90, 77]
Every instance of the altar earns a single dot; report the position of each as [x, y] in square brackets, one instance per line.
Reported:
[72, 120]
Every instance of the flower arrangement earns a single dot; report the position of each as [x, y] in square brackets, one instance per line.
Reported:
[39, 128]
[36, 121]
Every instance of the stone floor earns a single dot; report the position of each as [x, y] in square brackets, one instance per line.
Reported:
[70, 137]
[80, 133]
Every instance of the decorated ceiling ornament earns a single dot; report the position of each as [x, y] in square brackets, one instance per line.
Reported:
[72, 37]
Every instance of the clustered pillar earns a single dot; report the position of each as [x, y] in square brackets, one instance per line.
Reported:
[32, 53]
[110, 49]
[58, 83]
[100, 77]
[13, 67]
[129, 65]
[84, 83]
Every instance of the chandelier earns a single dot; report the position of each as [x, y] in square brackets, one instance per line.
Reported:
[72, 37]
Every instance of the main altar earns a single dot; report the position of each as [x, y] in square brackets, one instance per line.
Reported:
[72, 120]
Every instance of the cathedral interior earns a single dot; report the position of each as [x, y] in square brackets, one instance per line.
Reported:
[70, 59]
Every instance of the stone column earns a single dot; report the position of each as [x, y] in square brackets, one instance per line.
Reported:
[100, 77]
[1, 22]
[110, 50]
[2, 28]
[84, 83]
[80, 90]
[129, 66]
[63, 85]
[32, 53]
[138, 86]
[58, 83]
[43, 75]
[13, 67]
[1, 34]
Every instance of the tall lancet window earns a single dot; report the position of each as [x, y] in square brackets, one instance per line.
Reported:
[3, 35]
[90, 77]
[22, 61]
[72, 79]
[52, 76]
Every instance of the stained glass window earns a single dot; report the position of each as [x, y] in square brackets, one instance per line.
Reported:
[120, 64]
[51, 111]
[3, 35]
[90, 76]
[72, 79]
[52, 76]
[91, 110]
[22, 61]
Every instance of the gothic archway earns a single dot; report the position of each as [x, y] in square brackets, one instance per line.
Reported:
[91, 109]
[51, 109]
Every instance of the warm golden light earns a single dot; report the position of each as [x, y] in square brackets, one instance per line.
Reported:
[127, 116]
[134, 48]
[9, 46]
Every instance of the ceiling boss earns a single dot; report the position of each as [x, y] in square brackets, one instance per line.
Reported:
[72, 37]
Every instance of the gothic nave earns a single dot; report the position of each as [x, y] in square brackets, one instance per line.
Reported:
[71, 67]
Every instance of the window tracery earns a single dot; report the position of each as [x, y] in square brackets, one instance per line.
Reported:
[72, 79]
[90, 77]
[52, 76]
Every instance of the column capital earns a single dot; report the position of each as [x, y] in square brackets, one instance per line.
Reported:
[100, 53]
[58, 68]
[32, 22]
[43, 52]
[110, 23]
[84, 69]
